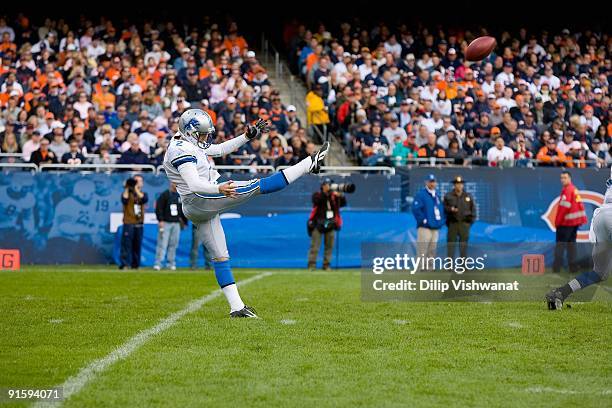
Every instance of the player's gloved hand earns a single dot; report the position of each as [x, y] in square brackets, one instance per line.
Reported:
[252, 131]
[228, 189]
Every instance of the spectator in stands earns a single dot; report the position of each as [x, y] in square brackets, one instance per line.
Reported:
[10, 144]
[316, 110]
[431, 149]
[551, 155]
[134, 155]
[43, 155]
[31, 146]
[500, 155]
[73, 156]
[58, 144]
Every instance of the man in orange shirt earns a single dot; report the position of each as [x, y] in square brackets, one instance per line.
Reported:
[570, 215]
[550, 155]
[235, 43]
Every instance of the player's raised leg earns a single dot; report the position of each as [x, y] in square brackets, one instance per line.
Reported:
[211, 234]
[311, 164]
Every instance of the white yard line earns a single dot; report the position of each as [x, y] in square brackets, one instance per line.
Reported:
[551, 390]
[74, 384]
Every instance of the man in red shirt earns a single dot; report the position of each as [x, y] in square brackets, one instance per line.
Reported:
[570, 215]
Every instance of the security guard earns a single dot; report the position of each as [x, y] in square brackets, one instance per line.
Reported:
[460, 215]
[570, 216]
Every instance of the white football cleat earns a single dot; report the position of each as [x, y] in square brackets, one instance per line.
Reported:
[318, 158]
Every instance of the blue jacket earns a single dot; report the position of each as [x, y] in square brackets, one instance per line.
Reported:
[423, 210]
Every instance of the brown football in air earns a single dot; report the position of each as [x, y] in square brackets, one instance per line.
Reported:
[480, 48]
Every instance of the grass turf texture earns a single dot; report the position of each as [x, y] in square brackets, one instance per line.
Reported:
[316, 344]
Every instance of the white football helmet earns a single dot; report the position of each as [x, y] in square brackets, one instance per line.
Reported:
[196, 126]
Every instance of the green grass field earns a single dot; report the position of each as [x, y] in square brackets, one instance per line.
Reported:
[317, 344]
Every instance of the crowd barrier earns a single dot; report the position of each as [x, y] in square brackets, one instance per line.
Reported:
[72, 217]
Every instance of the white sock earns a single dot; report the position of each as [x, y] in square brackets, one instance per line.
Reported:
[233, 297]
[297, 170]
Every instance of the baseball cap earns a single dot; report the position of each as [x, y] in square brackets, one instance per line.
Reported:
[185, 50]
[508, 64]
[56, 124]
[291, 108]
[431, 177]
[49, 115]
[469, 99]
[105, 83]
[231, 99]
[596, 90]
[491, 96]
[458, 179]
[495, 130]
[250, 54]
[452, 51]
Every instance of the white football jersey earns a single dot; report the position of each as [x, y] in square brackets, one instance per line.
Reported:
[180, 152]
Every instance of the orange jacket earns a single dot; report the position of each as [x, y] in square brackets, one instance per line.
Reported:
[546, 156]
[570, 210]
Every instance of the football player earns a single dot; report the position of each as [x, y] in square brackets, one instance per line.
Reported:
[187, 165]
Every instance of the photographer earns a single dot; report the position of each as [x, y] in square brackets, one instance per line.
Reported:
[325, 220]
[134, 200]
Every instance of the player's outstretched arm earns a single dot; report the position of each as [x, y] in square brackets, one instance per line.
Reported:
[196, 184]
[229, 146]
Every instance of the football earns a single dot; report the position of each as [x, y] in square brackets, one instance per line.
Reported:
[480, 48]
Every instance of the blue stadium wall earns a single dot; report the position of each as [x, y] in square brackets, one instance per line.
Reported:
[64, 217]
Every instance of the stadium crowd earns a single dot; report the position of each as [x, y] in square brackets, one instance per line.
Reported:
[107, 92]
[406, 94]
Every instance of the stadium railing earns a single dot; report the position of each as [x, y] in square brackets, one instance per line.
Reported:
[351, 169]
[99, 167]
[235, 167]
[31, 166]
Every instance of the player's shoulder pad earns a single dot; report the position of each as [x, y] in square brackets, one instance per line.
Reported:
[181, 152]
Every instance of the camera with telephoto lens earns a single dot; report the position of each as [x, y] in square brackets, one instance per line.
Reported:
[340, 187]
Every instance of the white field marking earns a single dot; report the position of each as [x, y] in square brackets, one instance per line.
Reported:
[302, 299]
[88, 373]
[515, 325]
[540, 390]
[288, 321]
[56, 321]
[401, 322]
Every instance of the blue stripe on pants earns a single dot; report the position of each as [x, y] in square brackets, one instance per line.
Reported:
[275, 182]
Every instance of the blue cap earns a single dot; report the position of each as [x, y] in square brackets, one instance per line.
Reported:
[431, 177]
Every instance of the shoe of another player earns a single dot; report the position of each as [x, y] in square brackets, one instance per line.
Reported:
[554, 299]
[156, 267]
[318, 158]
[246, 311]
